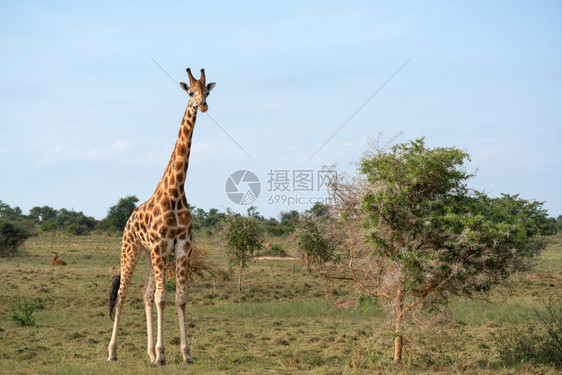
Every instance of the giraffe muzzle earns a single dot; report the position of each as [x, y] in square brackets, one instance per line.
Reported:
[203, 107]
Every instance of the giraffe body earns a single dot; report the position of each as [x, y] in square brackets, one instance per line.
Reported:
[159, 227]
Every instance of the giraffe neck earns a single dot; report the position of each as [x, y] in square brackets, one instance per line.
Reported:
[174, 176]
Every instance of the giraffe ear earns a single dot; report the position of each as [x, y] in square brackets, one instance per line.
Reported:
[210, 86]
[184, 86]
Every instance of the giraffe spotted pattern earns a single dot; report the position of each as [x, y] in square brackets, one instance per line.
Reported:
[162, 226]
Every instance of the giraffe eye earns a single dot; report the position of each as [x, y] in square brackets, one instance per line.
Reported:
[191, 94]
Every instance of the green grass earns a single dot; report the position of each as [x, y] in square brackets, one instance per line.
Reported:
[551, 260]
[285, 309]
[284, 322]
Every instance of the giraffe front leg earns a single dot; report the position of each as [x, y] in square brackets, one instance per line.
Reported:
[148, 295]
[181, 300]
[159, 265]
[129, 252]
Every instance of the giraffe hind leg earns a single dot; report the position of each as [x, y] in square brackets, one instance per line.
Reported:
[159, 265]
[182, 256]
[148, 295]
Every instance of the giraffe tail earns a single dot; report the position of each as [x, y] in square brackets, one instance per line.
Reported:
[113, 295]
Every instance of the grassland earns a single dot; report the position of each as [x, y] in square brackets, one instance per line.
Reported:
[284, 322]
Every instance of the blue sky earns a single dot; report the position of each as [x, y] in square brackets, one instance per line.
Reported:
[86, 117]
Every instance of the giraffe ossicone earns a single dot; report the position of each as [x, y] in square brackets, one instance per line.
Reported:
[159, 227]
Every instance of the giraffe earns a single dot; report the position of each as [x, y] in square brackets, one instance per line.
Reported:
[162, 226]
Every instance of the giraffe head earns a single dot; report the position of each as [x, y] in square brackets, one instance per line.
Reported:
[198, 90]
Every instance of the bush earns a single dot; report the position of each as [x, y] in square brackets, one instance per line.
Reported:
[558, 223]
[197, 265]
[77, 230]
[275, 250]
[12, 236]
[48, 226]
[537, 340]
[119, 214]
[316, 247]
[242, 236]
[22, 313]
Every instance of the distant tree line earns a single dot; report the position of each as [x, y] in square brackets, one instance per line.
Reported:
[287, 221]
[15, 226]
[48, 219]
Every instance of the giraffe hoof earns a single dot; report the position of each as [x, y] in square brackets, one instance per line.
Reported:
[189, 362]
[160, 362]
[109, 360]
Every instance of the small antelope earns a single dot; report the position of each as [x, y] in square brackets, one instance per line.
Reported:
[56, 262]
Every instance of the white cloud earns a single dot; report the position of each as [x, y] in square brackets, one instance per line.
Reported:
[202, 148]
[152, 158]
[60, 154]
[358, 143]
[112, 150]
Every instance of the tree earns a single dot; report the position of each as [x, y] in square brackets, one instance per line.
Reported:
[75, 223]
[41, 215]
[274, 227]
[213, 218]
[118, 215]
[414, 233]
[243, 236]
[253, 212]
[9, 213]
[319, 209]
[12, 236]
[198, 215]
[290, 218]
[316, 247]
